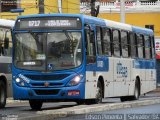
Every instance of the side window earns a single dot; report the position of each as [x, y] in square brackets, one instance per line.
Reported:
[153, 47]
[140, 46]
[99, 40]
[133, 45]
[147, 47]
[90, 46]
[2, 36]
[124, 43]
[116, 43]
[8, 44]
[106, 44]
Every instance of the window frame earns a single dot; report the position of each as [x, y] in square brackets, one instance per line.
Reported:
[127, 41]
[106, 29]
[118, 42]
[142, 46]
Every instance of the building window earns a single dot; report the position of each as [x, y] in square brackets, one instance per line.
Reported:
[150, 27]
[7, 5]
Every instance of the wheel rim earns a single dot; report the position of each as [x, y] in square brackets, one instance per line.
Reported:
[136, 93]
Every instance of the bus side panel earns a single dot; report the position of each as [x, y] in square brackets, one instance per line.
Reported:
[91, 84]
[103, 68]
[150, 75]
[108, 78]
[5, 71]
[121, 76]
[134, 73]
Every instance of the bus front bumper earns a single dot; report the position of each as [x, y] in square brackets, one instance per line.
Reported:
[49, 93]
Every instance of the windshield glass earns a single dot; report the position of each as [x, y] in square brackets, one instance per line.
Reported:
[48, 51]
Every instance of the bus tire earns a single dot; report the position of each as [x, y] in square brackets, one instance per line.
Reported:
[136, 91]
[35, 104]
[3, 94]
[99, 95]
[124, 98]
[80, 102]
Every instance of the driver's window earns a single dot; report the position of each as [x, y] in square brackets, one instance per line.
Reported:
[90, 46]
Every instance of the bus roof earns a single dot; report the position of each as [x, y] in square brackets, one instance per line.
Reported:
[99, 21]
[7, 23]
[142, 30]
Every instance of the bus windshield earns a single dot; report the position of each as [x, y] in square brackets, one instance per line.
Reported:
[48, 51]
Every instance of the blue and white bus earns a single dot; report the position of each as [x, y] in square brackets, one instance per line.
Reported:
[73, 57]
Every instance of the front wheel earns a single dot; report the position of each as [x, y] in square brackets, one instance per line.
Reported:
[35, 104]
[3, 94]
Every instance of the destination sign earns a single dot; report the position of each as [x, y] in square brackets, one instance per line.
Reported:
[48, 23]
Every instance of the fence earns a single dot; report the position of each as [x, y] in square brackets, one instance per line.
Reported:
[129, 6]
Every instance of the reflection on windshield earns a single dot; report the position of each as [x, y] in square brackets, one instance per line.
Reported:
[48, 51]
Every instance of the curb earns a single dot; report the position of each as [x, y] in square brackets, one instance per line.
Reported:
[11, 100]
[84, 109]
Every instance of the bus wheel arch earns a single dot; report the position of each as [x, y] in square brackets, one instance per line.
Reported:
[3, 91]
[98, 97]
[100, 90]
[136, 92]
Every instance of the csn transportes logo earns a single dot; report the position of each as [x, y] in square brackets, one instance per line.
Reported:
[122, 70]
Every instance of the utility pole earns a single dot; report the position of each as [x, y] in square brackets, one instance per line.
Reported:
[60, 6]
[41, 6]
[94, 8]
[122, 11]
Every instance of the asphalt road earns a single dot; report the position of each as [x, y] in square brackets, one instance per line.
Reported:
[22, 109]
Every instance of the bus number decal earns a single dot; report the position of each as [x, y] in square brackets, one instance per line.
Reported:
[34, 23]
[122, 70]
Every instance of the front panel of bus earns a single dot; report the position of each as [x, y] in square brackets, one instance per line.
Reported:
[48, 58]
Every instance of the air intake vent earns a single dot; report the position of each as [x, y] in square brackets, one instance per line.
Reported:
[47, 92]
[47, 77]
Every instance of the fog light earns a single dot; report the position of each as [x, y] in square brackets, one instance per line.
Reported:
[22, 83]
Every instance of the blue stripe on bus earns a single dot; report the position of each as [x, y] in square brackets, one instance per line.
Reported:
[143, 64]
[102, 64]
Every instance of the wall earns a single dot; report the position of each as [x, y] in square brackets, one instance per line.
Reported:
[50, 6]
[138, 19]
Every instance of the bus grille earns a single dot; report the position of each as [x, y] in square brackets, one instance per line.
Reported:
[47, 92]
[47, 77]
[50, 84]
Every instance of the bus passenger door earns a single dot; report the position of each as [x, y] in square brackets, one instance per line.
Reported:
[90, 86]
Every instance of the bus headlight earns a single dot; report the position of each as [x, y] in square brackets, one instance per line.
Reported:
[74, 81]
[21, 82]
